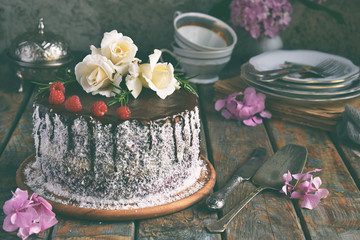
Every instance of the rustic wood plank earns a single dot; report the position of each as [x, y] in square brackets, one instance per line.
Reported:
[350, 153]
[18, 148]
[268, 216]
[68, 228]
[337, 216]
[186, 224]
[12, 101]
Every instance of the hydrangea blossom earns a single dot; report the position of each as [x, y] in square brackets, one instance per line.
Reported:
[261, 17]
[309, 191]
[249, 109]
[30, 216]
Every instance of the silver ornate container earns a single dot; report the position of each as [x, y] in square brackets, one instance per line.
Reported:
[38, 55]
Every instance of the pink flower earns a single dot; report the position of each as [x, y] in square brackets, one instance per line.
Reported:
[287, 187]
[249, 109]
[261, 17]
[309, 191]
[30, 216]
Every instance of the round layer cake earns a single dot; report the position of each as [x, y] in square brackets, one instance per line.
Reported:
[156, 151]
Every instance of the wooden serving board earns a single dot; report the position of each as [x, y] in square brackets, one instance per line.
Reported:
[208, 179]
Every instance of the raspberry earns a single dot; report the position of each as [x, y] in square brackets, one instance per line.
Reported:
[99, 109]
[57, 86]
[56, 97]
[123, 112]
[73, 104]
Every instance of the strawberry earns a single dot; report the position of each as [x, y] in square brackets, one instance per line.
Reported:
[99, 108]
[57, 86]
[123, 112]
[56, 97]
[73, 104]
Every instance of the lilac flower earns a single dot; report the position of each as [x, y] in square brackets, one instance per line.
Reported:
[309, 191]
[287, 187]
[249, 110]
[30, 216]
[261, 17]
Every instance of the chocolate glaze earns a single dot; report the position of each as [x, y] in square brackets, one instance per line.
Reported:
[147, 107]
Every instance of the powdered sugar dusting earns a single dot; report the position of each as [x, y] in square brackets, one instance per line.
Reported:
[124, 166]
[35, 179]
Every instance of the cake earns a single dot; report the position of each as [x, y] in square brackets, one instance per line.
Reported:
[141, 161]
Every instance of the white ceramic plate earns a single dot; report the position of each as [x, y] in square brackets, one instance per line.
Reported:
[303, 95]
[275, 59]
[349, 85]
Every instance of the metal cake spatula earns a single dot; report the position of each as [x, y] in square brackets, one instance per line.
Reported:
[269, 176]
[217, 200]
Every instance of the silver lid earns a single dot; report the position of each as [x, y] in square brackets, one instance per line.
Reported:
[39, 49]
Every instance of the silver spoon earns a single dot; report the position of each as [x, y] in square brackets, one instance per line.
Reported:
[269, 176]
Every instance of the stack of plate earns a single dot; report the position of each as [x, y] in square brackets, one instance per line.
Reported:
[301, 87]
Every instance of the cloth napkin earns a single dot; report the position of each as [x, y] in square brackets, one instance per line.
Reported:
[322, 115]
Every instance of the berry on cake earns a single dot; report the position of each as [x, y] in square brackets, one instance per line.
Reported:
[127, 135]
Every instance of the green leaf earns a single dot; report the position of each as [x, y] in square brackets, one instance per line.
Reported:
[121, 97]
[65, 76]
[184, 83]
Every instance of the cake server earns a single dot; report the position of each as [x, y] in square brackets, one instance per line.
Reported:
[269, 176]
[217, 199]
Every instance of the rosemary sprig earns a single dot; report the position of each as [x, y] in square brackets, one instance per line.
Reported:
[121, 97]
[67, 78]
[184, 83]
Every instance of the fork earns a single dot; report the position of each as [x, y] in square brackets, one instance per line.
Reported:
[326, 68]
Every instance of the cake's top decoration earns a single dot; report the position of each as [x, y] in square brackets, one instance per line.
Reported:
[56, 97]
[96, 73]
[123, 112]
[73, 104]
[99, 109]
[159, 77]
[102, 71]
[120, 49]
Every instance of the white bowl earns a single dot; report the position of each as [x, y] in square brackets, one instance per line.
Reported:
[200, 54]
[204, 70]
[203, 32]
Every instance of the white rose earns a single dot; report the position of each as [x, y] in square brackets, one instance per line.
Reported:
[116, 47]
[95, 73]
[133, 79]
[158, 76]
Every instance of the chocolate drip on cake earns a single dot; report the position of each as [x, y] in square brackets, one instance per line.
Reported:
[154, 152]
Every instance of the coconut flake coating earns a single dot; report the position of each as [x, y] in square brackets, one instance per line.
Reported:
[118, 159]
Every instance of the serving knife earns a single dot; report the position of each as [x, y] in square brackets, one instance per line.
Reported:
[217, 200]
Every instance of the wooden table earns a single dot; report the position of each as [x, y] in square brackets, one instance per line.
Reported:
[226, 144]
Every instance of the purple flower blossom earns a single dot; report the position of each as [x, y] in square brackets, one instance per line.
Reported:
[261, 17]
[309, 191]
[30, 216]
[249, 110]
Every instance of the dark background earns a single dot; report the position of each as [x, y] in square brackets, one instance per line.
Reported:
[149, 23]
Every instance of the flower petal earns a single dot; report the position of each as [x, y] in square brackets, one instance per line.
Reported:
[287, 177]
[8, 226]
[310, 201]
[154, 58]
[249, 122]
[296, 195]
[265, 114]
[134, 85]
[226, 114]
[219, 104]
[317, 182]
[322, 193]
